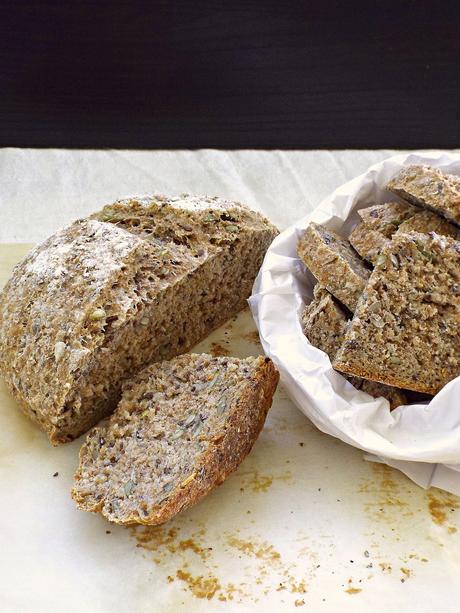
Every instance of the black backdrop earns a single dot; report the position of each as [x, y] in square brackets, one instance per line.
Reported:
[235, 74]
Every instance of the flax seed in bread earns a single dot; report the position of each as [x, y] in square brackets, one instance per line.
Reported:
[427, 221]
[324, 323]
[144, 280]
[379, 223]
[334, 263]
[429, 188]
[179, 430]
[406, 328]
[369, 237]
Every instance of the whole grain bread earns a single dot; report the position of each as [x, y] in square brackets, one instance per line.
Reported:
[429, 188]
[387, 217]
[335, 264]
[406, 328]
[427, 221]
[324, 323]
[180, 429]
[144, 280]
[379, 223]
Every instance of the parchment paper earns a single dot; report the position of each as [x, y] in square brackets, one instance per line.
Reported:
[304, 520]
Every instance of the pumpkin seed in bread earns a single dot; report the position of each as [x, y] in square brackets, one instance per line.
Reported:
[429, 188]
[179, 430]
[335, 264]
[379, 223]
[324, 323]
[406, 328]
[427, 221]
[93, 304]
[369, 238]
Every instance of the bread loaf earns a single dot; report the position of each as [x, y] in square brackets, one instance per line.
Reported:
[144, 280]
[181, 427]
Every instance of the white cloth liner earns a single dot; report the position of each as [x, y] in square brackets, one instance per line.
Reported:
[421, 440]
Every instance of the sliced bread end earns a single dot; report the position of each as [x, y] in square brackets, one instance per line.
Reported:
[180, 429]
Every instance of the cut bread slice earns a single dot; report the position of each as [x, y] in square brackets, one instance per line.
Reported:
[335, 264]
[429, 188]
[324, 323]
[387, 217]
[180, 429]
[406, 328]
[427, 221]
[379, 223]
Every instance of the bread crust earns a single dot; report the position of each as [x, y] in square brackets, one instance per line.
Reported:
[83, 287]
[222, 457]
[429, 188]
[405, 332]
[334, 263]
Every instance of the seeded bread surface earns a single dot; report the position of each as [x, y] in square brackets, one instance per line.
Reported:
[427, 221]
[324, 323]
[429, 188]
[334, 263]
[406, 328]
[387, 217]
[367, 242]
[369, 237]
[179, 430]
[143, 280]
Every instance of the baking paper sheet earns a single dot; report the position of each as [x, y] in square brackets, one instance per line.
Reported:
[422, 440]
[304, 519]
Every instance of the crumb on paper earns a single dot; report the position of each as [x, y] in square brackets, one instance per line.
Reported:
[219, 350]
[440, 504]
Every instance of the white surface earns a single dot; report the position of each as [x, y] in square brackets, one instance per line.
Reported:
[426, 433]
[336, 521]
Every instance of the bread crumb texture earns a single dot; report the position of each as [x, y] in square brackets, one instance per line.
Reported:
[142, 280]
[406, 328]
[429, 188]
[334, 263]
[181, 427]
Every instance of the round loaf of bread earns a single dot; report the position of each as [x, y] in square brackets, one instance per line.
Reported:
[142, 280]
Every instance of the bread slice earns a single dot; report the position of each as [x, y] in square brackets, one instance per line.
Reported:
[406, 328]
[383, 221]
[380, 222]
[387, 217]
[429, 188]
[324, 323]
[334, 263]
[144, 280]
[368, 242]
[427, 221]
[179, 430]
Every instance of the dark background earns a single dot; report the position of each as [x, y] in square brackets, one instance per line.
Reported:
[235, 74]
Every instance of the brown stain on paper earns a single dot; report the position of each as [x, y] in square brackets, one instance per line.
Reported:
[259, 482]
[169, 545]
[440, 505]
[218, 350]
[252, 337]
